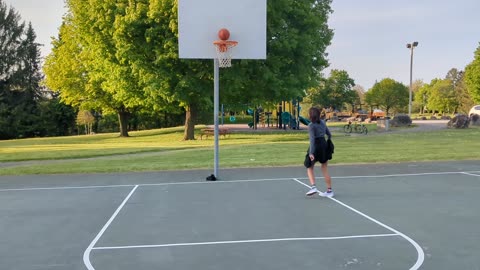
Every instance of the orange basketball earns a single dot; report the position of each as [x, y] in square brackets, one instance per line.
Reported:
[223, 34]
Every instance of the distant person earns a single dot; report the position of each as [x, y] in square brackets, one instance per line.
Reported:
[320, 150]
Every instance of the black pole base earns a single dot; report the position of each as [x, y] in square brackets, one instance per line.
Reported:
[211, 178]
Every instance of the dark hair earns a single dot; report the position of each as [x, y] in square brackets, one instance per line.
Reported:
[314, 115]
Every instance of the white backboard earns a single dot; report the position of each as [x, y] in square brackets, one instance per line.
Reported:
[200, 20]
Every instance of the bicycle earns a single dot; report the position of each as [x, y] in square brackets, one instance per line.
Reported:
[356, 127]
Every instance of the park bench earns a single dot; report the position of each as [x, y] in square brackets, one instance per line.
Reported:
[210, 132]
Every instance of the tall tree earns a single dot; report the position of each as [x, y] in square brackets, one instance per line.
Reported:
[27, 81]
[416, 86]
[86, 64]
[297, 38]
[19, 77]
[387, 94]
[442, 97]
[464, 100]
[421, 97]
[11, 32]
[361, 95]
[335, 91]
[472, 77]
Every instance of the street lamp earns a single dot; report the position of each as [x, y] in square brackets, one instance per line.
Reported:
[411, 46]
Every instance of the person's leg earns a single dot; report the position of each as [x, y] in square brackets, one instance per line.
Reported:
[311, 177]
[328, 181]
[326, 175]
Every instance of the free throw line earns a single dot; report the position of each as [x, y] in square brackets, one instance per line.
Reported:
[249, 241]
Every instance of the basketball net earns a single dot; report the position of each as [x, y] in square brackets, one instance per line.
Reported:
[224, 52]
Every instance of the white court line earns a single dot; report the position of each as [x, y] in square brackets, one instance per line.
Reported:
[65, 188]
[421, 255]
[232, 181]
[466, 173]
[86, 254]
[249, 241]
[145, 185]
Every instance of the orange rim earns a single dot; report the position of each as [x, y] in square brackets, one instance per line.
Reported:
[224, 45]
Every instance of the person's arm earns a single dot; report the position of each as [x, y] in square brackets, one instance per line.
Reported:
[327, 131]
[311, 136]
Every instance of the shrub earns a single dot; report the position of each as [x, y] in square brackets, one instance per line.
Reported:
[401, 120]
[475, 120]
[459, 121]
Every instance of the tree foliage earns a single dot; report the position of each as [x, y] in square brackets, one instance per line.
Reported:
[387, 94]
[463, 99]
[11, 35]
[20, 76]
[447, 95]
[361, 95]
[472, 77]
[86, 119]
[88, 64]
[334, 91]
[421, 97]
[442, 96]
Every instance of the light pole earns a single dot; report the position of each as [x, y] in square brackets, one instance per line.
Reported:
[411, 46]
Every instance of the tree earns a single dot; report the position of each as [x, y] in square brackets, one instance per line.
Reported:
[387, 94]
[86, 119]
[472, 77]
[19, 76]
[86, 65]
[11, 31]
[361, 95]
[416, 103]
[27, 82]
[421, 97]
[56, 118]
[335, 91]
[462, 96]
[442, 97]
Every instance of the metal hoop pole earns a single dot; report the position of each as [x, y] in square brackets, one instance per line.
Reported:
[215, 113]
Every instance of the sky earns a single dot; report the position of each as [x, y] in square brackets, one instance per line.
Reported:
[370, 36]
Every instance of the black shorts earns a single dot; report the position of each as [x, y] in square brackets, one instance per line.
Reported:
[320, 153]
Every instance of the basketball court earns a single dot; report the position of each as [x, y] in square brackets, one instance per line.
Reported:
[388, 216]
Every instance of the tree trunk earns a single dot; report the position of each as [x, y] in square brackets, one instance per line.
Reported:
[190, 113]
[123, 120]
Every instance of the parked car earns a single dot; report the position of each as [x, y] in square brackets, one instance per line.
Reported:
[474, 110]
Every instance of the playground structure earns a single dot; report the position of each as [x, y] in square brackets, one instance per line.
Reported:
[285, 114]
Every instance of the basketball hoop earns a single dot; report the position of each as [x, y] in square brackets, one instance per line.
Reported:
[223, 48]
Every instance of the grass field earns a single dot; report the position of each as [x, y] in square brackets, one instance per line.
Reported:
[164, 149]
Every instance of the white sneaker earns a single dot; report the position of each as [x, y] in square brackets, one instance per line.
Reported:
[328, 194]
[312, 191]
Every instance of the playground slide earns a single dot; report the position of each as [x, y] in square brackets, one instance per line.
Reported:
[304, 121]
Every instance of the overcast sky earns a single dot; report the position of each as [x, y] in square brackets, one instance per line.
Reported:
[370, 35]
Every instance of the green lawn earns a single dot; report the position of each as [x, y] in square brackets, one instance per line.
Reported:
[164, 150]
